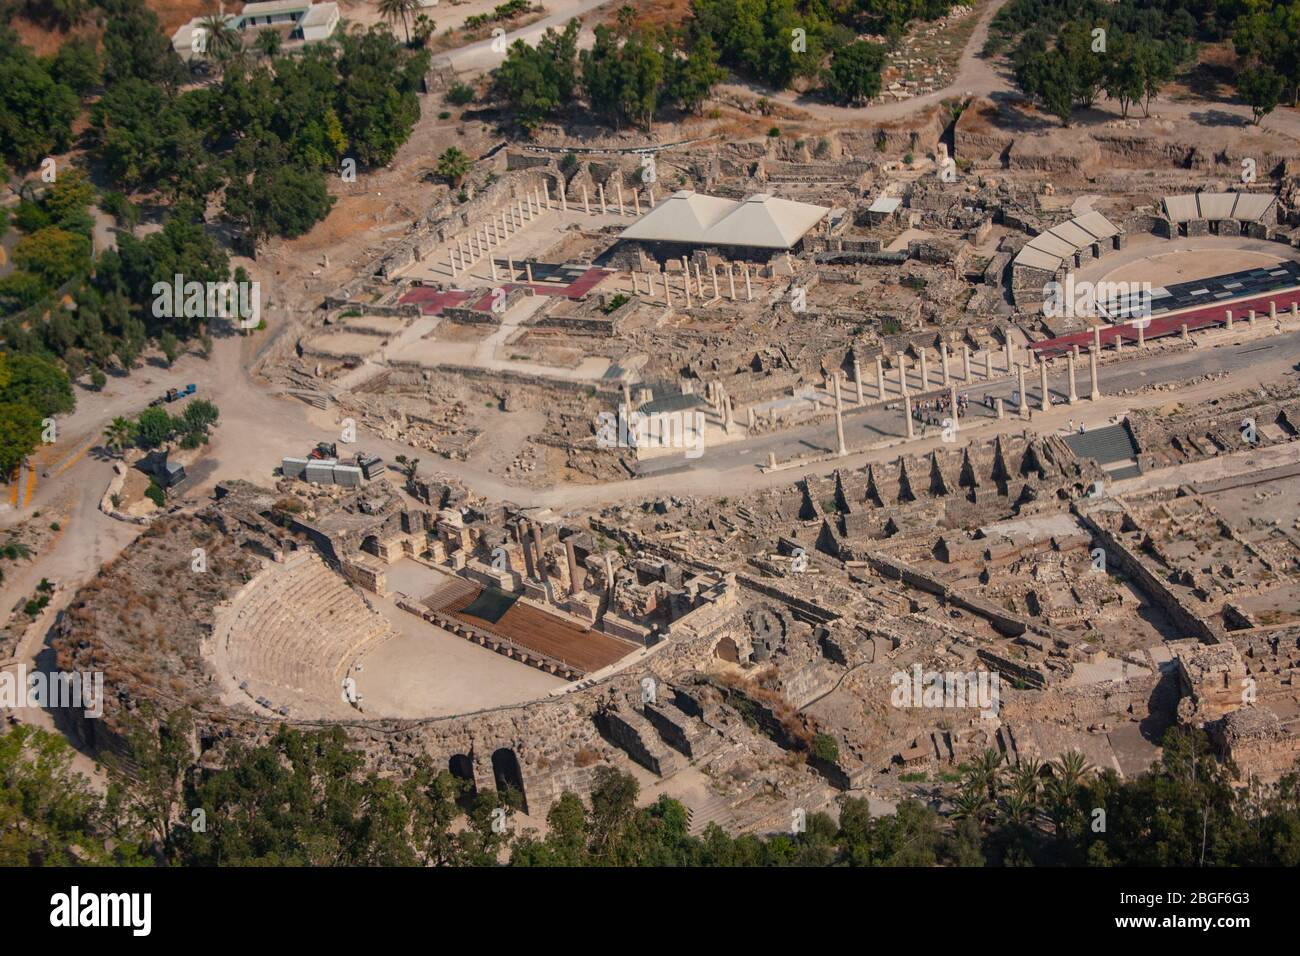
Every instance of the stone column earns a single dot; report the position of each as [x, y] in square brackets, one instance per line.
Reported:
[880, 377]
[528, 270]
[925, 369]
[529, 567]
[1227, 320]
[564, 200]
[1272, 310]
[686, 284]
[1069, 368]
[1045, 401]
[965, 363]
[668, 291]
[1250, 317]
[1183, 330]
[636, 202]
[600, 191]
[998, 408]
[839, 418]
[537, 543]
[857, 379]
[546, 191]
[1142, 334]
[713, 273]
[686, 273]
[622, 211]
[568, 547]
[586, 203]
[650, 283]
[731, 281]
[749, 293]
[907, 416]
[902, 374]
[943, 362]
[1092, 373]
[1011, 355]
[1096, 337]
[1020, 377]
[952, 407]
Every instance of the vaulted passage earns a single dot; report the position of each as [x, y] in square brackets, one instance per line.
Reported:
[508, 775]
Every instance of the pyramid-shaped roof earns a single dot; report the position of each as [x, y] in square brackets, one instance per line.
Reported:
[761, 221]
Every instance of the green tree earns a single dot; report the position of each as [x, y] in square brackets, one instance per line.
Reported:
[692, 76]
[395, 10]
[279, 201]
[39, 384]
[537, 82]
[36, 111]
[155, 428]
[49, 815]
[454, 166]
[119, 435]
[20, 433]
[268, 43]
[1261, 89]
[854, 73]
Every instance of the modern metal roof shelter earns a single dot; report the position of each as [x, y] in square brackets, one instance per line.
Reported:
[1049, 250]
[761, 221]
[1245, 207]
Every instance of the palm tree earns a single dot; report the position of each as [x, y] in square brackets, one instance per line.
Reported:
[394, 10]
[219, 36]
[972, 803]
[1027, 778]
[454, 165]
[1017, 808]
[119, 433]
[983, 773]
[236, 54]
[1072, 768]
[268, 43]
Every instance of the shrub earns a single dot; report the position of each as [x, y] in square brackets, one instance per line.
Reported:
[460, 94]
[825, 749]
[155, 494]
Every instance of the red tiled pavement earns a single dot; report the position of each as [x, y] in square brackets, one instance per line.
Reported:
[432, 302]
[1171, 324]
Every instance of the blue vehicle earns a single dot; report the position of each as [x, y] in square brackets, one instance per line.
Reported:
[175, 394]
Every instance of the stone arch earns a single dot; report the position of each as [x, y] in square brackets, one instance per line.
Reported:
[726, 650]
[461, 766]
[508, 774]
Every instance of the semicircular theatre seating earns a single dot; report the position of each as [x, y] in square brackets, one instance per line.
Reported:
[300, 627]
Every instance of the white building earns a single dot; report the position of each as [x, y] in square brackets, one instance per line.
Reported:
[308, 22]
